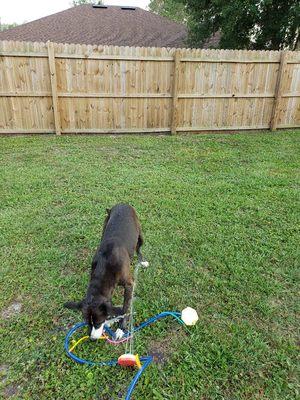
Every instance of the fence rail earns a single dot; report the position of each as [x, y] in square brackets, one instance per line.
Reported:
[67, 88]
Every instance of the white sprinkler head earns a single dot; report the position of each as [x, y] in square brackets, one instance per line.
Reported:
[119, 334]
[97, 333]
[189, 316]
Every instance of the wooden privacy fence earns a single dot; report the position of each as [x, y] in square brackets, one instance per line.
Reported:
[67, 88]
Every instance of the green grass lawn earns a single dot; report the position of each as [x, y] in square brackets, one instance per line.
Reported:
[220, 215]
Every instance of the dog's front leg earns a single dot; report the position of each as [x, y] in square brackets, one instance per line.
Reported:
[128, 288]
[116, 311]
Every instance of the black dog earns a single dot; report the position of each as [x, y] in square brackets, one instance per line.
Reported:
[121, 237]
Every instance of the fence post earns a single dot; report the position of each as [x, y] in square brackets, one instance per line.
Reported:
[278, 91]
[51, 58]
[174, 117]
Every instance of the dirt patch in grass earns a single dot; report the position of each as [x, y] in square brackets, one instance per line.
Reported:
[163, 348]
[12, 310]
[10, 391]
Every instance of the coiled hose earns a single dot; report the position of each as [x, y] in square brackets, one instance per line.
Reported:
[146, 361]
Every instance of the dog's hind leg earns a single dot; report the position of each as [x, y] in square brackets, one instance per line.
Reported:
[138, 251]
[138, 247]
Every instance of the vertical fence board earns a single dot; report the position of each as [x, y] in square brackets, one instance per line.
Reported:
[52, 69]
[175, 91]
[278, 91]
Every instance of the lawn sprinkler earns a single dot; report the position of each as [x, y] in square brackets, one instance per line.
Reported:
[187, 317]
[130, 360]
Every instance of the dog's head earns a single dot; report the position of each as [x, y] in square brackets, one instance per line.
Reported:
[94, 311]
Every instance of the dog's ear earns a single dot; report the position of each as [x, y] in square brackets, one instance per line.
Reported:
[73, 305]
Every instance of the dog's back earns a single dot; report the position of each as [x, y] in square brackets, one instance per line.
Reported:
[122, 229]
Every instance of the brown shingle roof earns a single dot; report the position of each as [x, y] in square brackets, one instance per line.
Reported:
[213, 41]
[102, 26]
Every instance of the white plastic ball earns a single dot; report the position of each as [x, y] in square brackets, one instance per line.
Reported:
[189, 316]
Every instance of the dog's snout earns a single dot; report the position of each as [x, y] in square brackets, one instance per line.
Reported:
[96, 333]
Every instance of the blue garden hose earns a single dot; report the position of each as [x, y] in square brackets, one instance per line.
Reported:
[82, 360]
[146, 361]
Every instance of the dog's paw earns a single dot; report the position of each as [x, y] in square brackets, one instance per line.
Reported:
[119, 334]
[144, 264]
